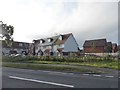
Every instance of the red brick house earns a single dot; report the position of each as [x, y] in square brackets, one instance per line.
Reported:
[95, 46]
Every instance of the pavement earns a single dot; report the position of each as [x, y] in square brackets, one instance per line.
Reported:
[26, 78]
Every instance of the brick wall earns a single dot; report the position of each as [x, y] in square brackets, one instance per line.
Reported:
[94, 50]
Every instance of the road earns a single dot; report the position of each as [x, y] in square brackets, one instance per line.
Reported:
[24, 78]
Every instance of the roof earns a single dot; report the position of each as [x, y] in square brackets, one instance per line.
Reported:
[55, 40]
[96, 42]
[17, 45]
[64, 38]
[46, 42]
[114, 44]
[60, 49]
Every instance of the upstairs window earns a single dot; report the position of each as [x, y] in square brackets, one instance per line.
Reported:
[42, 41]
[20, 44]
[50, 40]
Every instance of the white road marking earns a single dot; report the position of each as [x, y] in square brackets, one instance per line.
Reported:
[47, 71]
[53, 72]
[109, 76]
[60, 73]
[96, 75]
[33, 80]
[86, 74]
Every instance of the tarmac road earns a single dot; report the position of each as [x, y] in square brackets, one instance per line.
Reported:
[26, 78]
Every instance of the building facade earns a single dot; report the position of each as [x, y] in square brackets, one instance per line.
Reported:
[95, 46]
[56, 46]
[16, 48]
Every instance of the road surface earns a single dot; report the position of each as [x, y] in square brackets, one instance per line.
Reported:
[26, 78]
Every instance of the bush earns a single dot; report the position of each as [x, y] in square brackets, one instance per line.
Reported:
[55, 59]
[18, 59]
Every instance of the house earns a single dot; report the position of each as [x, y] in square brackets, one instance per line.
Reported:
[31, 49]
[95, 46]
[16, 48]
[118, 47]
[114, 48]
[109, 47]
[56, 46]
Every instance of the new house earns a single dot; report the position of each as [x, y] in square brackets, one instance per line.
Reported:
[97, 46]
[16, 48]
[56, 46]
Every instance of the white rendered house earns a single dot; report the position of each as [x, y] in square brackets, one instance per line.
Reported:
[56, 45]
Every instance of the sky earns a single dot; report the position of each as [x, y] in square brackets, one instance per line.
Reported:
[86, 19]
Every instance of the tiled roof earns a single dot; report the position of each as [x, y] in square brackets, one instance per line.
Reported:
[64, 38]
[17, 45]
[55, 40]
[96, 42]
[114, 44]
[46, 42]
[60, 49]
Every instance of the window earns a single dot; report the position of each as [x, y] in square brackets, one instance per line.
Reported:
[49, 47]
[42, 41]
[50, 40]
[20, 44]
[65, 53]
[44, 47]
[60, 45]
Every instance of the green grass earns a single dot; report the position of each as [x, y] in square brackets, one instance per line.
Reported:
[89, 61]
[112, 64]
[45, 67]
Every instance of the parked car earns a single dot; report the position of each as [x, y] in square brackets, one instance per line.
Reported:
[15, 55]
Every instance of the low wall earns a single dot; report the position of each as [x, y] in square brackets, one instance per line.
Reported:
[104, 54]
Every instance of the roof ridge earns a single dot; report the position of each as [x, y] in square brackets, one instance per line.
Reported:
[95, 39]
[55, 36]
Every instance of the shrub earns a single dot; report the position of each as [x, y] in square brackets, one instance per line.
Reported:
[88, 59]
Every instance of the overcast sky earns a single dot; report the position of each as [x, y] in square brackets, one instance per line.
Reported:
[86, 19]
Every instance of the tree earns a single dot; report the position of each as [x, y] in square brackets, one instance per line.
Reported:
[7, 32]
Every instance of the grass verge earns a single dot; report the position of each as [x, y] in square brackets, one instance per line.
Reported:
[111, 65]
[46, 67]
